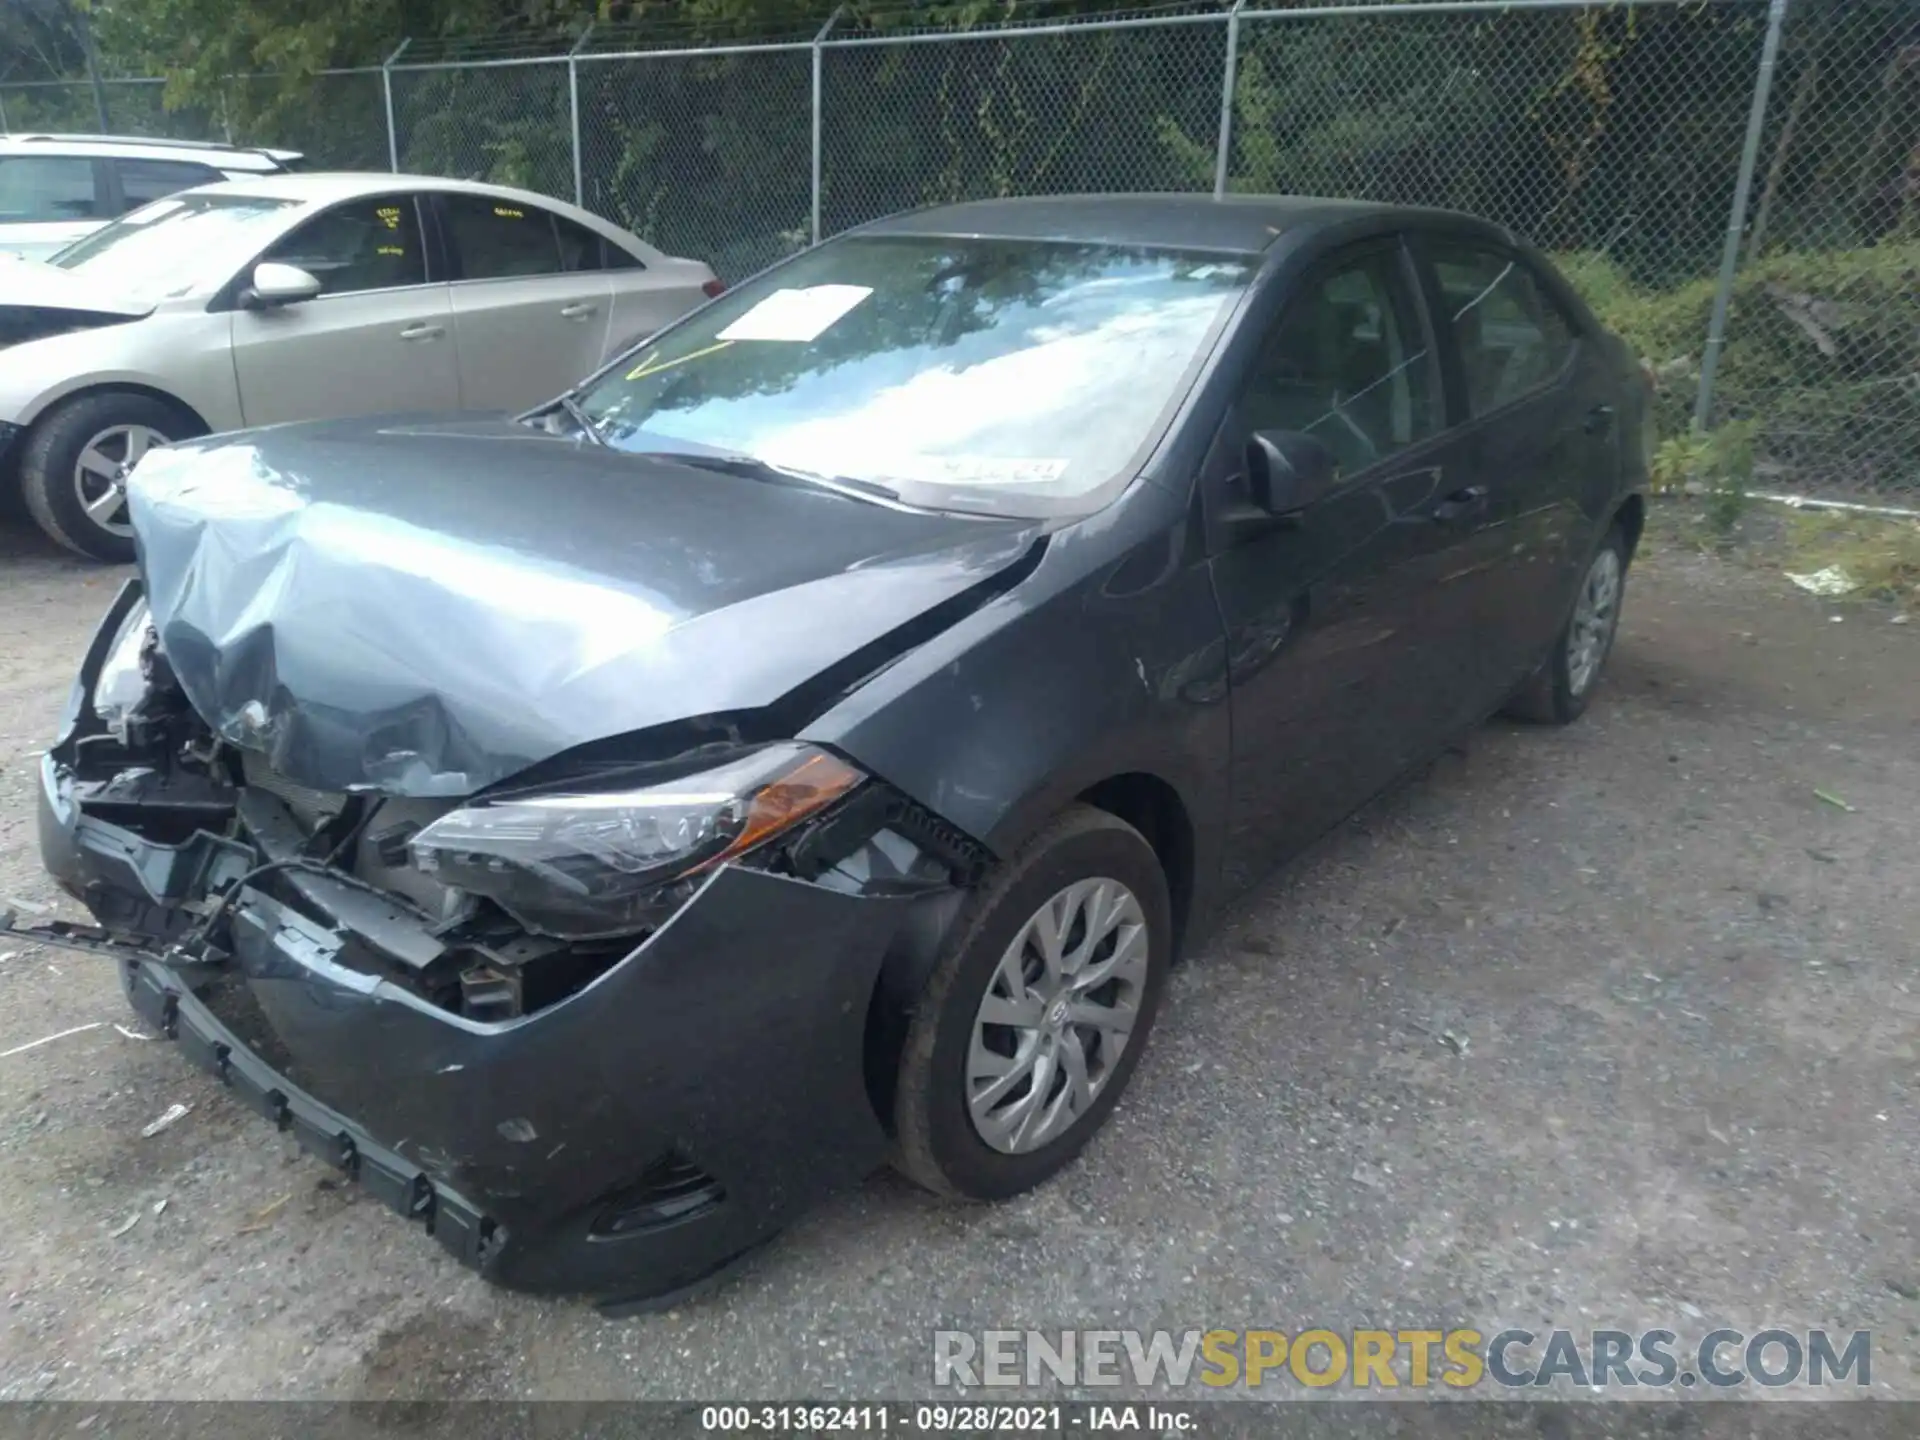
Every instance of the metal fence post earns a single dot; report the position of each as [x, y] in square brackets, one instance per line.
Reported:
[1737, 217]
[818, 41]
[1226, 101]
[386, 87]
[573, 105]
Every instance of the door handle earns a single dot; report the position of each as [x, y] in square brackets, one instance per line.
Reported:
[1461, 503]
[579, 310]
[423, 331]
[1599, 420]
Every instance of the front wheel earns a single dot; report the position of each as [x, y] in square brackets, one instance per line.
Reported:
[1036, 1012]
[73, 471]
[1557, 693]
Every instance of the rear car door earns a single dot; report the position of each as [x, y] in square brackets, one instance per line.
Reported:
[1542, 434]
[376, 339]
[49, 201]
[647, 299]
[531, 307]
[1348, 646]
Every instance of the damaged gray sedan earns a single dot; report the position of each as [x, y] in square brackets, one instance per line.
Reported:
[807, 743]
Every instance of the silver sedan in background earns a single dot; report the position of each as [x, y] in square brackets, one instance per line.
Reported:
[303, 297]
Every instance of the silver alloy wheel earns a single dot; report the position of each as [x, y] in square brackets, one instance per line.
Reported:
[100, 474]
[1594, 615]
[1057, 1015]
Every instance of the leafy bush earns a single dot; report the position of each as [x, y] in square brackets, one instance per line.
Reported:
[1822, 357]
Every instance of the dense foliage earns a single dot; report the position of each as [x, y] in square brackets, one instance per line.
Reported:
[1612, 134]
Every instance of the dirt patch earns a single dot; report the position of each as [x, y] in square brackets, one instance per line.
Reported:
[1681, 1088]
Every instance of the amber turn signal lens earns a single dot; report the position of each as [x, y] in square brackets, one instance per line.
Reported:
[808, 788]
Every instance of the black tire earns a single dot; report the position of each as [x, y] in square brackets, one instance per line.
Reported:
[52, 452]
[1551, 695]
[937, 1144]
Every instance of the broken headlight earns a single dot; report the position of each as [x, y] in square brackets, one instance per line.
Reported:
[123, 680]
[593, 864]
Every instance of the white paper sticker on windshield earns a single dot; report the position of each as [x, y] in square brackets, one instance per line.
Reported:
[796, 315]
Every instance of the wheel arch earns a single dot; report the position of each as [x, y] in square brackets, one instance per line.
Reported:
[1147, 801]
[54, 404]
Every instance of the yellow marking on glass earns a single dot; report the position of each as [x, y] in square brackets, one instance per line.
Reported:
[647, 368]
[507, 212]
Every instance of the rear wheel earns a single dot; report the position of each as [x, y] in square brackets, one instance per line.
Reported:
[1557, 693]
[1037, 1012]
[74, 467]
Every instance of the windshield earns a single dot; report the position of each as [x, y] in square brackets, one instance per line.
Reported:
[999, 375]
[173, 245]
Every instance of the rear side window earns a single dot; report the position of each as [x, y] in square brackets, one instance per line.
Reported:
[498, 239]
[371, 244]
[612, 257]
[143, 181]
[1511, 335]
[48, 187]
[581, 248]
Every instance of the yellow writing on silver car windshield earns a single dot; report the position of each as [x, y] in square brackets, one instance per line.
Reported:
[389, 216]
[507, 212]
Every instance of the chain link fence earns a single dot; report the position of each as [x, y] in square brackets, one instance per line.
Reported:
[1751, 163]
[704, 153]
[1823, 337]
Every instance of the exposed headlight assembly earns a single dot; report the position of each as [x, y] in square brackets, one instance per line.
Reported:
[586, 865]
[123, 680]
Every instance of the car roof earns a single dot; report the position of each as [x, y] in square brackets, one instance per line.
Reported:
[140, 147]
[1244, 224]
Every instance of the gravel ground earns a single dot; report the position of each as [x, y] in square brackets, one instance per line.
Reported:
[1681, 989]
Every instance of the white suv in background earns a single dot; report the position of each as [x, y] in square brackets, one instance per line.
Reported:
[54, 189]
[304, 297]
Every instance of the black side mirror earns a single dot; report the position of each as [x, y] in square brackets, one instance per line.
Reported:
[1287, 471]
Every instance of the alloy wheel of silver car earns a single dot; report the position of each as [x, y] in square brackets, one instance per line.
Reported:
[1595, 614]
[100, 474]
[1057, 1015]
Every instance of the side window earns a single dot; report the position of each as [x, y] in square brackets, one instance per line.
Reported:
[142, 181]
[1511, 335]
[582, 249]
[371, 244]
[1347, 365]
[617, 257]
[495, 239]
[48, 187]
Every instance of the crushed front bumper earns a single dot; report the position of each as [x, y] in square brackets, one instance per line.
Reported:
[727, 1048]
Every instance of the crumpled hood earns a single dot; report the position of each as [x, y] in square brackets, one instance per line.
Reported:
[37, 285]
[427, 607]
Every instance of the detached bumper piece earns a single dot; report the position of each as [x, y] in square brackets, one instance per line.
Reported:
[462, 1229]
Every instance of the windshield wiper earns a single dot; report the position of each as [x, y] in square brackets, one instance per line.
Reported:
[752, 467]
[577, 413]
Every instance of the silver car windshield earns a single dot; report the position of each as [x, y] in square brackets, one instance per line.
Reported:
[174, 245]
[1009, 376]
